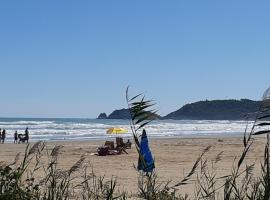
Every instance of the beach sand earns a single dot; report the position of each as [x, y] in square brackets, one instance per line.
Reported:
[173, 157]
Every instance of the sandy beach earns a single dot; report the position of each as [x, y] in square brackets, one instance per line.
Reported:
[173, 157]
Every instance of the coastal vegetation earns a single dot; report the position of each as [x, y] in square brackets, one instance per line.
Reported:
[216, 110]
[240, 184]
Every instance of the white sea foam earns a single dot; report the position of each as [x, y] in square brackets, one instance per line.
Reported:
[81, 129]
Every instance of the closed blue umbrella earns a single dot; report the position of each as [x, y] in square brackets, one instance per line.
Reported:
[146, 162]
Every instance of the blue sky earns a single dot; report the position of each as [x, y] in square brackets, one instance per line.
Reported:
[75, 58]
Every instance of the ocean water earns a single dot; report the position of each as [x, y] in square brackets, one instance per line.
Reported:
[93, 129]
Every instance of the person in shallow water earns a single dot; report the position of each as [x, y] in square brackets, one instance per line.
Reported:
[3, 136]
[26, 135]
[15, 137]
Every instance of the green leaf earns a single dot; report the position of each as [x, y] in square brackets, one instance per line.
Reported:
[243, 156]
[139, 114]
[137, 109]
[245, 140]
[140, 103]
[263, 117]
[144, 124]
[133, 98]
[263, 124]
[261, 132]
[145, 117]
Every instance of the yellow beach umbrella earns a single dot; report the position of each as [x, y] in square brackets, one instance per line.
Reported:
[115, 130]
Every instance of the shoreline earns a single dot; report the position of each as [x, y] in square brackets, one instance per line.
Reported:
[191, 136]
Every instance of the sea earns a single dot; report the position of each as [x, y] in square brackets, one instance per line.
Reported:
[51, 129]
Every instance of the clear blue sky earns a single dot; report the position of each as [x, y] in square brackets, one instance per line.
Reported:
[75, 58]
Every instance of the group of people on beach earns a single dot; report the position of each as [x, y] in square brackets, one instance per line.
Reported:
[18, 138]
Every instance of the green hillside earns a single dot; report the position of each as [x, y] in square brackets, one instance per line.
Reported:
[216, 110]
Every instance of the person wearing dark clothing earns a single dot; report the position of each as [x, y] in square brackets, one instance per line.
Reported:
[15, 137]
[3, 136]
[26, 135]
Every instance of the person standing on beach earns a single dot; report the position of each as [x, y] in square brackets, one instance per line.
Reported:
[0, 135]
[15, 137]
[3, 136]
[26, 134]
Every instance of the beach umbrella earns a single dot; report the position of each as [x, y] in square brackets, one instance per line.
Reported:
[146, 161]
[116, 130]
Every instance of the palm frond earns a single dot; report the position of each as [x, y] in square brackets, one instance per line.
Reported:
[263, 117]
[261, 132]
[263, 124]
[141, 112]
[185, 180]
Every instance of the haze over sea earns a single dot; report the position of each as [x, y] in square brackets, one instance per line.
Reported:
[51, 129]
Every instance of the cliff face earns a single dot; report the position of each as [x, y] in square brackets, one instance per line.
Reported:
[102, 116]
[216, 110]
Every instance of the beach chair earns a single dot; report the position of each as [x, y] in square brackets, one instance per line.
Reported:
[109, 144]
[110, 149]
[120, 143]
[128, 144]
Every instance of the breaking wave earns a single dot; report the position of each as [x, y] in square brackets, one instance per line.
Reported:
[87, 129]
